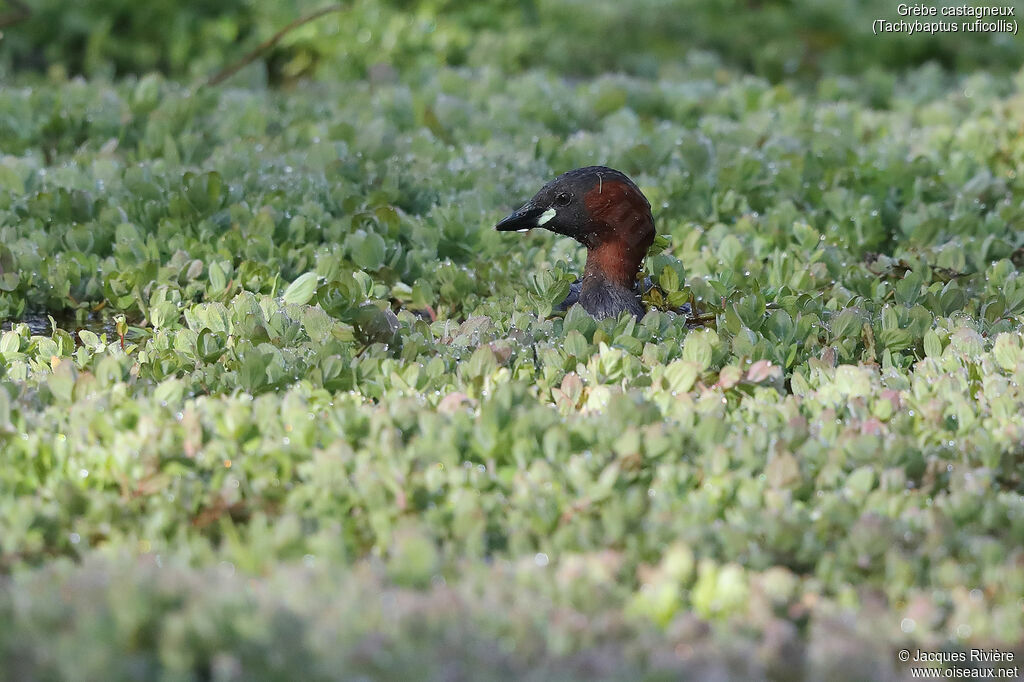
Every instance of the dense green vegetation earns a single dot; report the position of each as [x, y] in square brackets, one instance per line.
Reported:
[221, 456]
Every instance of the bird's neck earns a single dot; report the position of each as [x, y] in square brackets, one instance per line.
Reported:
[614, 261]
[620, 232]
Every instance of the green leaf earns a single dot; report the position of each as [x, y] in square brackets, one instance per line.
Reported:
[169, 391]
[697, 349]
[890, 319]
[579, 320]
[680, 375]
[852, 381]
[846, 324]
[368, 250]
[908, 289]
[860, 482]
[302, 289]
[482, 363]
[669, 279]
[1007, 352]
[10, 342]
[896, 339]
[210, 345]
[576, 344]
[750, 309]
[932, 344]
[364, 283]
[952, 298]
[46, 349]
[218, 278]
[252, 374]
[89, 339]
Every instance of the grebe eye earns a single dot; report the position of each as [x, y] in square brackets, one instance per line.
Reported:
[562, 199]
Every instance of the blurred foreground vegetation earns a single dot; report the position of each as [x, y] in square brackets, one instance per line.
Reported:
[221, 457]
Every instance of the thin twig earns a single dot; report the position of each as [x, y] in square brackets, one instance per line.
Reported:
[232, 69]
[21, 13]
[701, 319]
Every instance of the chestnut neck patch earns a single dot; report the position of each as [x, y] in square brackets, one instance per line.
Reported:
[620, 232]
